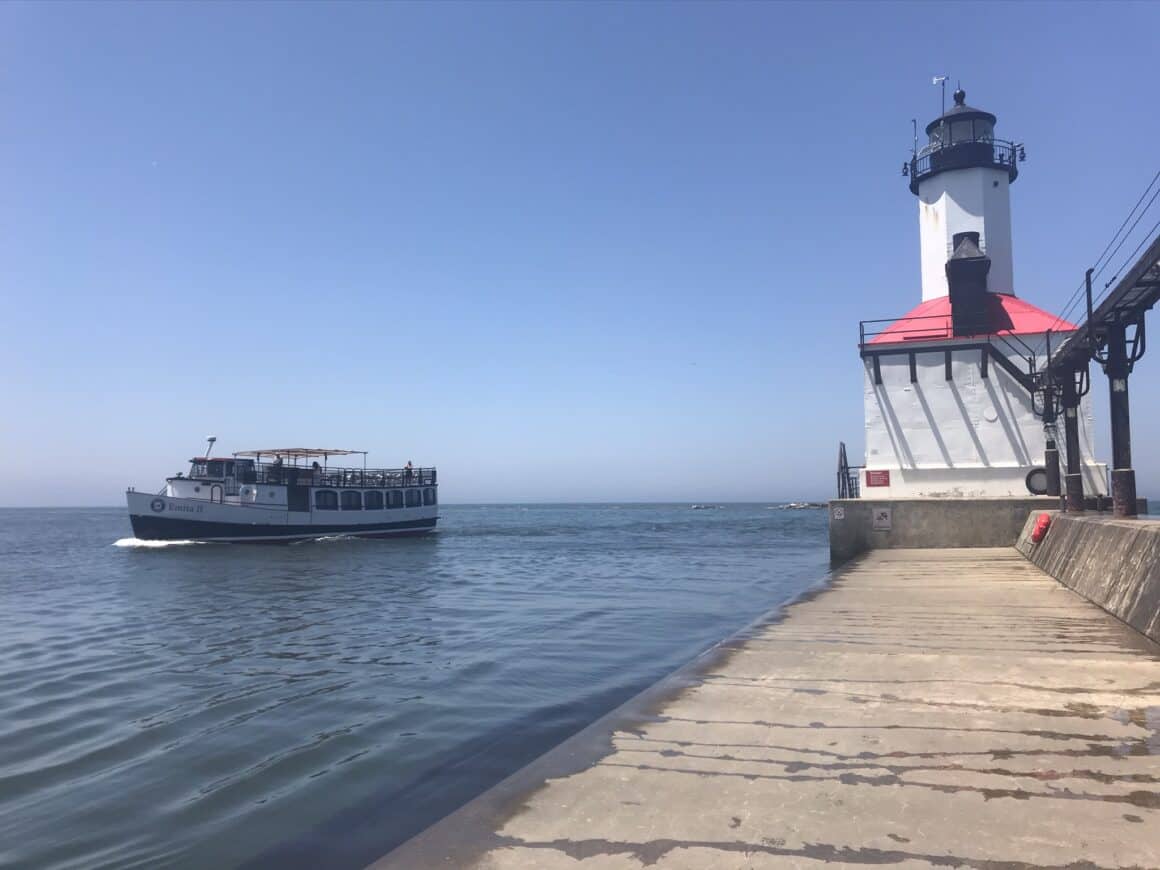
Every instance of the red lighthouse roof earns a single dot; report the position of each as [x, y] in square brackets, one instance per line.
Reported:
[1003, 315]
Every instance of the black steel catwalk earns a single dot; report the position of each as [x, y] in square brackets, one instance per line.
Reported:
[1114, 336]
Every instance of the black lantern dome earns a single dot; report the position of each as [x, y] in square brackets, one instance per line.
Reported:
[961, 138]
[964, 116]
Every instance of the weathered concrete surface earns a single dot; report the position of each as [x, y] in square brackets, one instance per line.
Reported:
[928, 522]
[951, 708]
[1114, 563]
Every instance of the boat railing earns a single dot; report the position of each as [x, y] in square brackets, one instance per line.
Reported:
[365, 478]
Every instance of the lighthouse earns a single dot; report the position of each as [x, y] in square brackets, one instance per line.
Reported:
[962, 178]
[951, 402]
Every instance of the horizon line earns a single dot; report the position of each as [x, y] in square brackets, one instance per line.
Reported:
[475, 503]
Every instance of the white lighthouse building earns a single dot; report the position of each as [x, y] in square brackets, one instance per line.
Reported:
[950, 404]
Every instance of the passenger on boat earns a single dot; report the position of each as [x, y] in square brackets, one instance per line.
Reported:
[407, 471]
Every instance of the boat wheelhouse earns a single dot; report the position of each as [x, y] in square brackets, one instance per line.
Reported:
[285, 494]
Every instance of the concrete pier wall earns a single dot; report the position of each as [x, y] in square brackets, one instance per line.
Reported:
[858, 525]
[1111, 562]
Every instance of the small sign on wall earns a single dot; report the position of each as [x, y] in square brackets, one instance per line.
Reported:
[839, 512]
[883, 519]
[878, 478]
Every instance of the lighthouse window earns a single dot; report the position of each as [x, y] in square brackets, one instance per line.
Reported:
[351, 500]
[428, 496]
[373, 501]
[414, 498]
[395, 498]
[326, 500]
[984, 130]
[961, 131]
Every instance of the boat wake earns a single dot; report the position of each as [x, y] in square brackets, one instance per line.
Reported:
[137, 542]
[325, 539]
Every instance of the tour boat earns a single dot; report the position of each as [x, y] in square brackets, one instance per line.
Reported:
[285, 494]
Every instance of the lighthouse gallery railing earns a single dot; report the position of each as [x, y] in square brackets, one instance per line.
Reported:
[963, 153]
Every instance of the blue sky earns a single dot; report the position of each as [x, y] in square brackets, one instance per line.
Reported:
[564, 251]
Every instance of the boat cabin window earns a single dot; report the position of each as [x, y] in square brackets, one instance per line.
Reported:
[395, 498]
[414, 498]
[246, 471]
[326, 500]
[213, 469]
[428, 496]
[373, 501]
[351, 500]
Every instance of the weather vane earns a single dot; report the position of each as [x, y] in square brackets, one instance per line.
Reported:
[941, 80]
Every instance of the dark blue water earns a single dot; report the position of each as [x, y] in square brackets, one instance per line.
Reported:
[221, 705]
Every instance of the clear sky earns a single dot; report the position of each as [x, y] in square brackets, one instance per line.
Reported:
[564, 251]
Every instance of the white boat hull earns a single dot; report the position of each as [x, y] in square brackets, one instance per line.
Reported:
[165, 518]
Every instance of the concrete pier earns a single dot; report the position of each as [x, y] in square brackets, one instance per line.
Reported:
[932, 708]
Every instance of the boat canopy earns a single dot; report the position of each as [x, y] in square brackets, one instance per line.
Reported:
[300, 452]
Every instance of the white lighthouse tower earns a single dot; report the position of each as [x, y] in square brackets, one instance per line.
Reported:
[962, 178]
[951, 404]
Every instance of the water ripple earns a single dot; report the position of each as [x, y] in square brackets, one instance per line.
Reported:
[188, 705]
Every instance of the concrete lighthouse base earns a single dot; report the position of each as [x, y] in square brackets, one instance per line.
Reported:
[861, 524]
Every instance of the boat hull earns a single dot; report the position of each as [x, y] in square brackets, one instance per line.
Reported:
[161, 518]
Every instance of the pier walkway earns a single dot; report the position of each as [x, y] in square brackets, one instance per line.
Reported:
[931, 708]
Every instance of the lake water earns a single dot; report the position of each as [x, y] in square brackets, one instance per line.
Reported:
[316, 704]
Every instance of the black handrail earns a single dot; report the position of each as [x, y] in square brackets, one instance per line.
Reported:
[362, 478]
[1126, 302]
[933, 327]
[962, 153]
[341, 477]
[927, 331]
[849, 480]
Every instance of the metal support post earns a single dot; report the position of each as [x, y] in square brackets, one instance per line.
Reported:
[1050, 452]
[1117, 369]
[1073, 481]
[1051, 462]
